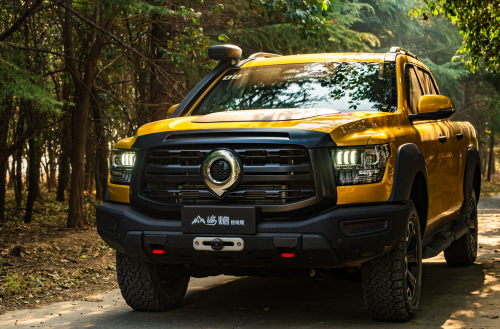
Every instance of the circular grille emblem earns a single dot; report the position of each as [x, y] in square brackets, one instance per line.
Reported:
[221, 170]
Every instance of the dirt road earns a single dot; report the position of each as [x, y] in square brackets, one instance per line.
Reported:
[466, 297]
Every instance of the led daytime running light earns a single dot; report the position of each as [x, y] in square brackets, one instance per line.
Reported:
[128, 159]
[360, 164]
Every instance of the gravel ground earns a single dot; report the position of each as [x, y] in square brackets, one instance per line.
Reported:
[467, 297]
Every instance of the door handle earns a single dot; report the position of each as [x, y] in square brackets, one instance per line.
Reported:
[443, 139]
[460, 136]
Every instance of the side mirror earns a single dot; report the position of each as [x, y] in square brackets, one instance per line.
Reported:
[171, 110]
[433, 103]
[224, 52]
[433, 107]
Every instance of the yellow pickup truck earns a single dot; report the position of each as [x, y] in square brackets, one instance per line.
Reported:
[304, 165]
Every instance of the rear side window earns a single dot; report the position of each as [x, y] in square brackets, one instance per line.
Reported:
[426, 82]
[413, 89]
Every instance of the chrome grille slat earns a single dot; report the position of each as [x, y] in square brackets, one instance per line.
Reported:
[272, 174]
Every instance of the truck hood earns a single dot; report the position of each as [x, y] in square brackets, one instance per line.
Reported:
[354, 128]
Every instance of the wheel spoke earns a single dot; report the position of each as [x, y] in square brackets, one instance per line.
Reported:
[411, 279]
[411, 256]
[410, 235]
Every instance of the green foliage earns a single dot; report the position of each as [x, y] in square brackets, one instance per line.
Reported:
[448, 77]
[21, 83]
[479, 25]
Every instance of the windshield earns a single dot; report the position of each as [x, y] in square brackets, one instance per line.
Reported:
[342, 86]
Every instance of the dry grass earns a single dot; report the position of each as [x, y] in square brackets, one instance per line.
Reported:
[42, 262]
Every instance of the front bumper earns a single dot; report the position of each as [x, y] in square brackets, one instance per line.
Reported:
[343, 236]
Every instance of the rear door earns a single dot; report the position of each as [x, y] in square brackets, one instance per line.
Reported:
[434, 148]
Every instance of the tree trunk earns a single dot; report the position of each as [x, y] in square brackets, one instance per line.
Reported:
[51, 177]
[89, 165]
[101, 157]
[33, 164]
[76, 197]
[4, 128]
[64, 172]
[11, 170]
[491, 157]
[33, 181]
[18, 186]
[83, 86]
[159, 93]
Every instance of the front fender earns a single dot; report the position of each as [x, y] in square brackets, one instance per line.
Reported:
[409, 162]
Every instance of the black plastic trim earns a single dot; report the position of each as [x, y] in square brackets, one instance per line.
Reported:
[307, 138]
[320, 242]
[191, 98]
[472, 161]
[409, 163]
[438, 115]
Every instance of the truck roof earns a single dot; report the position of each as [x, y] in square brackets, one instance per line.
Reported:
[312, 58]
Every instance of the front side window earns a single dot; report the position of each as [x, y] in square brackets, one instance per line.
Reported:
[426, 82]
[413, 89]
[342, 86]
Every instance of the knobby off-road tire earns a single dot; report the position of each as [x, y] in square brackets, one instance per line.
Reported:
[391, 282]
[150, 287]
[463, 252]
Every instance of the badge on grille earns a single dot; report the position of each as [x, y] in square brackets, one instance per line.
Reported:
[221, 171]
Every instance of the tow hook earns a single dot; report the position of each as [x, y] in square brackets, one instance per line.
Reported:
[217, 244]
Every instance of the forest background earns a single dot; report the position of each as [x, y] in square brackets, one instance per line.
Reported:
[77, 76]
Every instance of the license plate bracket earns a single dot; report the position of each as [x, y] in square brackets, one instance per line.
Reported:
[223, 220]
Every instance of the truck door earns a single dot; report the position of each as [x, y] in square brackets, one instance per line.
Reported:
[434, 144]
[457, 147]
[455, 152]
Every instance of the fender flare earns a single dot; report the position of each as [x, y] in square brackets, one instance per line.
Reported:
[471, 163]
[409, 162]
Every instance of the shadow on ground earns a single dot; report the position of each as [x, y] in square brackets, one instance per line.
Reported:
[287, 303]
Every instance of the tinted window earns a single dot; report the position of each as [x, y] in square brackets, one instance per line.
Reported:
[413, 89]
[426, 82]
[342, 86]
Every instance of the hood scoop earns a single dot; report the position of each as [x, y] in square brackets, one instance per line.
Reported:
[264, 115]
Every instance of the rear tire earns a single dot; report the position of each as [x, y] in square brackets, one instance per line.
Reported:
[391, 282]
[150, 287]
[463, 252]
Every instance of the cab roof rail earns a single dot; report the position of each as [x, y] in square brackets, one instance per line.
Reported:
[263, 55]
[256, 56]
[399, 50]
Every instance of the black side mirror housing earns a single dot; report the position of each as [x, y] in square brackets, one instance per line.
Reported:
[224, 52]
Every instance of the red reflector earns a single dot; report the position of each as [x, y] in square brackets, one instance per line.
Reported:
[288, 254]
[159, 252]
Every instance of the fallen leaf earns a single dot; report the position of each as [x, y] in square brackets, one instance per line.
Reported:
[490, 316]
[414, 323]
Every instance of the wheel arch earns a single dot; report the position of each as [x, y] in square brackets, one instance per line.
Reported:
[410, 181]
[472, 176]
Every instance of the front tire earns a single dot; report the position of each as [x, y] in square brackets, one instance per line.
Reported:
[150, 287]
[391, 282]
[463, 252]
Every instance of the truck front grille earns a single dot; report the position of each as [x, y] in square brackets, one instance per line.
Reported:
[272, 174]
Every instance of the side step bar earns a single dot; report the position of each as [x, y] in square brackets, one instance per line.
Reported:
[443, 240]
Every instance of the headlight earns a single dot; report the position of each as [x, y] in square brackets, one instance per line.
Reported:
[361, 164]
[122, 162]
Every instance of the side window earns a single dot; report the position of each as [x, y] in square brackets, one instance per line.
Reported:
[427, 83]
[413, 90]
